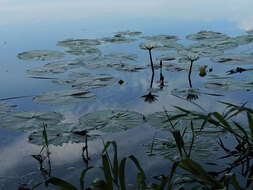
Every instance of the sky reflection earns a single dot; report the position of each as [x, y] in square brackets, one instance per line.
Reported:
[64, 10]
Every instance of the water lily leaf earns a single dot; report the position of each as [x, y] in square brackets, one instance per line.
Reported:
[160, 45]
[59, 134]
[6, 108]
[229, 85]
[55, 67]
[61, 97]
[84, 51]
[30, 120]
[91, 82]
[78, 43]
[99, 62]
[40, 55]
[111, 120]
[161, 37]
[233, 58]
[250, 31]
[244, 39]
[176, 67]
[72, 77]
[118, 39]
[168, 57]
[204, 140]
[125, 67]
[81, 46]
[207, 35]
[128, 33]
[121, 56]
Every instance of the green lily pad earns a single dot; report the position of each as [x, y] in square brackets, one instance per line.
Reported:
[72, 77]
[168, 57]
[6, 108]
[161, 37]
[97, 81]
[55, 67]
[121, 56]
[207, 35]
[78, 43]
[128, 33]
[229, 85]
[81, 46]
[177, 67]
[111, 120]
[84, 50]
[30, 120]
[59, 134]
[118, 39]
[62, 97]
[40, 55]
[233, 59]
[160, 45]
[244, 39]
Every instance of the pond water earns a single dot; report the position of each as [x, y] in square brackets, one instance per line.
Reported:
[84, 76]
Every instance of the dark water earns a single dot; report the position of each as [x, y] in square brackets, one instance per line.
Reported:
[33, 25]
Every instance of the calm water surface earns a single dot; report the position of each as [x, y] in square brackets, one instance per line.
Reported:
[39, 25]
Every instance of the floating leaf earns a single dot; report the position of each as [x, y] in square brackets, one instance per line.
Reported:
[161, 37]
[61, 97]
[40, 55]
[128, 33]
[6, 108]
[30, 120]
[176, 67]
[56, 67]
[168, 57]
[244, 39]
[121, 56]
[207, 35]
[78, 43]
[118, 39]
[233, 58]
[111, 120]
[91, 82]
[59, 134]
[229, 85]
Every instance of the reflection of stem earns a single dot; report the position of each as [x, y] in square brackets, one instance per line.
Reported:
[189, 74]
[161, 75]
[85, 149]
[151, 61]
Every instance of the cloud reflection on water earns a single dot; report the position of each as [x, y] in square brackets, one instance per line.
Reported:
[65, 10]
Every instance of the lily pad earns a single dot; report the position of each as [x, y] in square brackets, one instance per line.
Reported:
[78, 43]
[111, 120]
[161, 37]
[97, 81]
[84, 50]
[59, 134]
[121, 56]
[56, 67]
[160, 45]
[176, 67]
[30, 120]
[244, 39]
[61, 97]
[40, 55]
[128, 33]
[229, 85]
[238, 59]
[207, 35]
[6, 108]
[118, 39]
[168, 57]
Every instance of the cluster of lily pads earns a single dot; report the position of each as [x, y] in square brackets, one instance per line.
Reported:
[90, 56]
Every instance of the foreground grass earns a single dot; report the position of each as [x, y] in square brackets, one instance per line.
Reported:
[194, 175]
